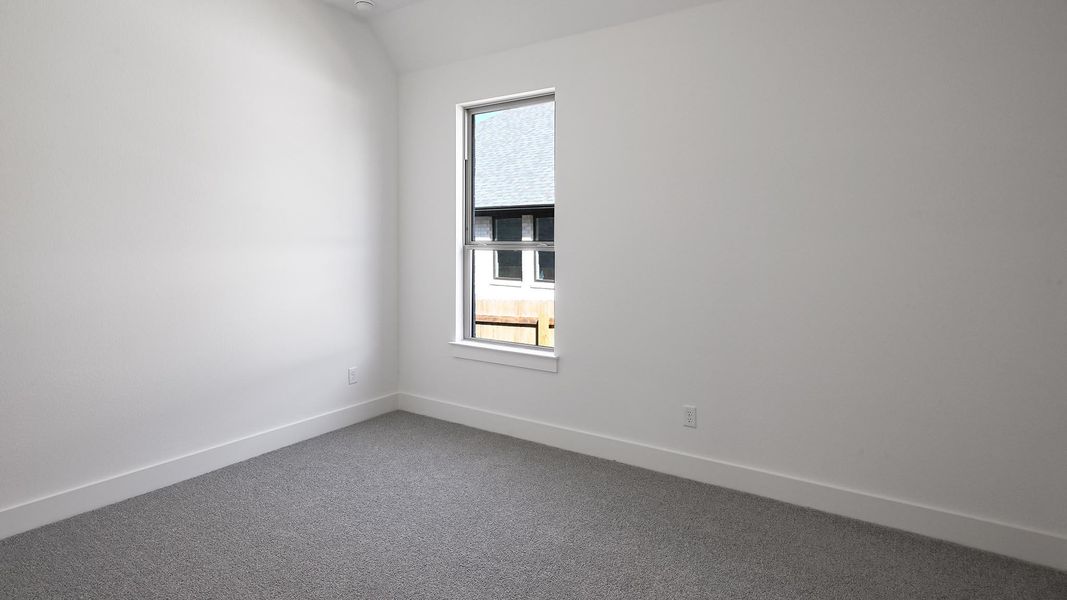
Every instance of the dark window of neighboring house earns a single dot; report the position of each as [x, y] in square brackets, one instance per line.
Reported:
[508, 262]
[545, 231]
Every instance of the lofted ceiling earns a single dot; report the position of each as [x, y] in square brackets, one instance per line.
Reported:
[425, 33]
[380, 6]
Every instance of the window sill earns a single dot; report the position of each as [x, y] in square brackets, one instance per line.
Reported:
[538, 360]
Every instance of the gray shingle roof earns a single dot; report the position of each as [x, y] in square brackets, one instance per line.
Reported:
[514, 157]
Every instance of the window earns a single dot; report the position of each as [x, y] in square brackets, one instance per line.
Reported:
[508, 262]
[545, 231]
[509, 257]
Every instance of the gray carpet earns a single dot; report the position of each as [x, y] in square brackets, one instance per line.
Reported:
[409, 507]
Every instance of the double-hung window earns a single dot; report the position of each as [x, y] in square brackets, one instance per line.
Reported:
[509, 201]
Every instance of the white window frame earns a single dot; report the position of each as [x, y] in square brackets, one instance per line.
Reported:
[464, 344]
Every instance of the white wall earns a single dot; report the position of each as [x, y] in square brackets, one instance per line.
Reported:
[197, 228]
[430, 33]
[839, 229]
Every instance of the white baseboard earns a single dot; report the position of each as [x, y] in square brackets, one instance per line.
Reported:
[1039, 547]
[42, 511]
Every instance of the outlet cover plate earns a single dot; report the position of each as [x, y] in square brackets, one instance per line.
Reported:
[690, 418]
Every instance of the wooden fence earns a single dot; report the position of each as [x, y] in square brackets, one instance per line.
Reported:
[518, 321]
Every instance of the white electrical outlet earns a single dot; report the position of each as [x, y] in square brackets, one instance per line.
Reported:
[352, 376]
[690, 416]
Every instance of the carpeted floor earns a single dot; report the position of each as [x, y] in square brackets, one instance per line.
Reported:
[409, 507]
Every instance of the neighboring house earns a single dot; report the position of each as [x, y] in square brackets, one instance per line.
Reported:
[514, 200]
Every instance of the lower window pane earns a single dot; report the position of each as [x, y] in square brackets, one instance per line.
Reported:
[509, 264]
[511, 311]
[546, 266]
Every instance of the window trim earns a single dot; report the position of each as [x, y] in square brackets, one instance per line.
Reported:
[522, 356]
[464, 344]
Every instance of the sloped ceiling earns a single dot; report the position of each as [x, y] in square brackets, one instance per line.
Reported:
[426, 33]
[380, 6]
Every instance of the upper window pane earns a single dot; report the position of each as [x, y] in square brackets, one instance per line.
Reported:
[545, 229]
[514, 157]
[508, 229]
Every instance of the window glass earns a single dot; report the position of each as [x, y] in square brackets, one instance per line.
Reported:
[508, 229]
[511, 197]
[508, 262]
[546, 266]
[515, 314]
[545, 231]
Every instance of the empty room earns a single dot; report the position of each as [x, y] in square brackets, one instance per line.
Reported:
[280, 316]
